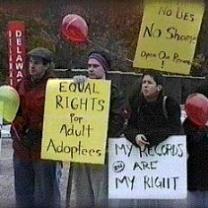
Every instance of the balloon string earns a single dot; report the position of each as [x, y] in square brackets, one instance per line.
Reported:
[109, 52]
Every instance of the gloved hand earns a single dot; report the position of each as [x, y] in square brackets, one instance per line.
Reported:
[31, 138]
[141, 141]
[26, 142]
[80, 79]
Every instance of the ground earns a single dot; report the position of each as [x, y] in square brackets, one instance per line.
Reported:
[7, 177]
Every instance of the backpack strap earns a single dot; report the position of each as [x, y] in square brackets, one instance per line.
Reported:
[165, 113]
[164, 107]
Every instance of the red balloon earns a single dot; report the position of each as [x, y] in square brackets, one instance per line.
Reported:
[196, 107]
[74, 28]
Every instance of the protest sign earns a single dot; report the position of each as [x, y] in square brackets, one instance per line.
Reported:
[168, 35]
[16, 38]
[76, 120]
[159, 172]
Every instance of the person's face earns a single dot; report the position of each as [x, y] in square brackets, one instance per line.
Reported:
[95, 69]
[150, 89]
[36, 68]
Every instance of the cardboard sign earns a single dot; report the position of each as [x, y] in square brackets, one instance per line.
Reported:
[159, 172]
[168, 35]
[76, 120]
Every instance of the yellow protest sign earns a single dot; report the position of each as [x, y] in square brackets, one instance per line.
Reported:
[76, 120]
[168, 35]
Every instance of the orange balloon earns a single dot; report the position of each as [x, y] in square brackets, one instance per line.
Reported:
[196, 107]
[74, 29]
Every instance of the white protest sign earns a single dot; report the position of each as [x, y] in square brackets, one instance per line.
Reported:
[159, 172]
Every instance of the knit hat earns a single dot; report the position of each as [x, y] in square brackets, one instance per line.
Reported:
[43, 53]
[102, 58]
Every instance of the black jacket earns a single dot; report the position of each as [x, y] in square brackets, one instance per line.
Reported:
[116, 118]
[197, 146]
[148, 118]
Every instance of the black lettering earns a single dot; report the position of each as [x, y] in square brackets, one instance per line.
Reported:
[180, 152]
[143, 151]
[147, 183]
[126, 149]
[101, 105]
[74, 104]
[99, 153]
[177, 59]
[67, 149]
[51, 145]
[172, 33]
[94, 89]
[84, 152]
[59, 102]
[93, 103]
[59, 148]
[129, 182]
[84, 104]
[72, 87]
[136, 165]
[186, 16]
[81, 87]
[62, 87]
[151, 32]
[160, 182]
[165, 11]
[91, 152]
[175, 182]
[72, 150]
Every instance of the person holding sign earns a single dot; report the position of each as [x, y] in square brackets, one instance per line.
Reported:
[36, 180]
[154, 117]
[88, 183]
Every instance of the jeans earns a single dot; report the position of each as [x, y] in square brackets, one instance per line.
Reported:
[197, 199]
[37, 183]
[87, 186]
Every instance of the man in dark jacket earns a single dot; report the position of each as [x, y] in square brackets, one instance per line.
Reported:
[88, 183]
[154, 117]
[36, 182]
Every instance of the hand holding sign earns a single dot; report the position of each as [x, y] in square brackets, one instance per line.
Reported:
[10, 102]
[79, 79]
[141, 140]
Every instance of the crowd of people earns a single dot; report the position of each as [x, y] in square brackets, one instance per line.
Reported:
[147, 117]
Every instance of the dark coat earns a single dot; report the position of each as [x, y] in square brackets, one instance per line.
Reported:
[118, 104]
[197, 146]
[148, 118]
[26, 129]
